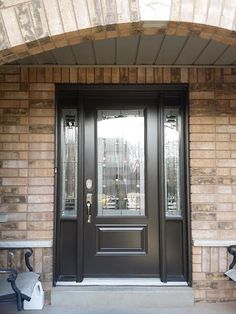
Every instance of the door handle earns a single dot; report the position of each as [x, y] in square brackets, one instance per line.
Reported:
[89, 212]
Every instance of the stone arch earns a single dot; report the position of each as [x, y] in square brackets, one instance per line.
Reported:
[32, 27]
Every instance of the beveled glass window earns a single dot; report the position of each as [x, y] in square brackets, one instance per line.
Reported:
[69, 162]
[120, 158]
[172, 161]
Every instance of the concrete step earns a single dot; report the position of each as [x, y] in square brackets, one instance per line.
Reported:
[122, 296]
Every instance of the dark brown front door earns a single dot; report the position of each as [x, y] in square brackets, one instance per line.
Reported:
[121, 238]
[121, 184]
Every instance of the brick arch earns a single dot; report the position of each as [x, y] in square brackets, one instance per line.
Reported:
[29, 27]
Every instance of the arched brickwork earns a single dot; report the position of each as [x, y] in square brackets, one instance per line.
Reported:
[31, 27]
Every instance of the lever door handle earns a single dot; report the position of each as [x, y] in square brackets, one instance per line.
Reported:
[89, 212]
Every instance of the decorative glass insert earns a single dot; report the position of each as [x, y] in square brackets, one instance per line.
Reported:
[172, 162]
[69, 162]
[120, 158]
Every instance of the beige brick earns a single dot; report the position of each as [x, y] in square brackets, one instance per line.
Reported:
[205, 234]
[223, 171]
[44, 225]
[214, 259]
[222, 295]
[226, 162]
[40, 199]
[225, 189]
[199, 295]
[38, 256]
[42, 113]
[41, 146]
[202, 137]
[233, 171]
[40, 207]
[8, 172]
[41, 181]
[24, 137]
[226, 129]
[202, 145]
[202, 162]
[23, 155]
[41, 138]
[202, 128]
[224, 207]
[42, 120]
[222, 137]
[41, 95]
[13, 208]
[225, 146]
[225, 198]
[12, 225]
[15, 164]
[15, 129]
[41, 87]
[9, 138]
[196, 259]
[201, 95]
[222, 120]
[202, 120]
[23, 172]
[41, 155]
[197, 250]
[40, 216]
[42, 234]
[201, 154]
[226, 216]
[14, 235]
[14, 181]
[206, 189]
[196, 267]
[223, 154]
[41, 190]
[40, 164]
[41, 172]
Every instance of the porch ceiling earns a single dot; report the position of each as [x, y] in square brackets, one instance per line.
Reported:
[139, 50]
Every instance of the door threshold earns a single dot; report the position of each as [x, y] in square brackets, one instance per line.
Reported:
[123, 282]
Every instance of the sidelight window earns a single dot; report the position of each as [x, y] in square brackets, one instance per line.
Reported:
[172, 161]
[69, 162]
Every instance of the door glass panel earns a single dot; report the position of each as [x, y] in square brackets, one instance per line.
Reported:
[69, 162]
[120, 158]
[172, 162]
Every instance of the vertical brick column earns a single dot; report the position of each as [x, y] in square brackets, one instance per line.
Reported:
[41, 161]
[13, 154]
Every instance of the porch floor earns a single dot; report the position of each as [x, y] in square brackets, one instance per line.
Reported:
[197, 308]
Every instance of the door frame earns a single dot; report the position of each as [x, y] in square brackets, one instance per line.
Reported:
[72, 91]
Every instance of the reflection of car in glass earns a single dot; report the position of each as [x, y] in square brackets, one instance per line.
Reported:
[133, 201]
[171, 202]
[109, 202]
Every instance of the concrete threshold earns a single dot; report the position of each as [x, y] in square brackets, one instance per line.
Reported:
[116, 297]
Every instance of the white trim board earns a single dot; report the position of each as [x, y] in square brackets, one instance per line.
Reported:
[214, 243]
[25, 244]
[122, 282]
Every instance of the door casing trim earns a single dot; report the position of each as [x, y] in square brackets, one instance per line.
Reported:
[145, 89]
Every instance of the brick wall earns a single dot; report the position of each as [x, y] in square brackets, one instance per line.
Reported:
[27, 125]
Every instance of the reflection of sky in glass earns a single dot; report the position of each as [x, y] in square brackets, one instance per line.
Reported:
[130, 128]
[171, 134]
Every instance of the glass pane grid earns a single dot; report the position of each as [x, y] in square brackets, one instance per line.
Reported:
[172, 163]
[69, 162]
[120, 162]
